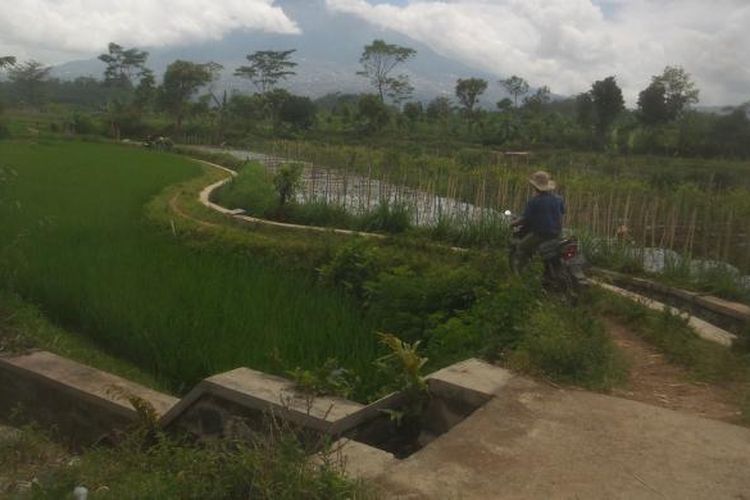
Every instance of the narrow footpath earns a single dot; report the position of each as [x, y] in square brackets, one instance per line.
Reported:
[656, 381]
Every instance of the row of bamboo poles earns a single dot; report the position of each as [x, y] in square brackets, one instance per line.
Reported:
[701, 223]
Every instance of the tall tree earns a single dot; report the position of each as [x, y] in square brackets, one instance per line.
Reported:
[731, 133]
[439, 110]
[585, 110]
[607, 101]
[28, 80]
[145, 92]
[652, 104]
[669, 95]
[504, 105]
[538, 99]
[680, 90]
[413, 111]
[378, 60]
[123, 65]
[182, 80]
[515, 86]
[468, 92]
[273, 101]
[267, 68]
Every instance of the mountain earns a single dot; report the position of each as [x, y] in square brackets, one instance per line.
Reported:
[328, 52]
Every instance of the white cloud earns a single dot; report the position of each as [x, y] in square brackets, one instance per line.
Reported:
[568, 44]
[85, 27]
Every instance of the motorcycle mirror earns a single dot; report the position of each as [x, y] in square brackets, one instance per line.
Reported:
[508, 213]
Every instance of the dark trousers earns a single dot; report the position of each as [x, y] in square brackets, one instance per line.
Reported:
[529, 245]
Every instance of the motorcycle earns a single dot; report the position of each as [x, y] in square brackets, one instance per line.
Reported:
[562, 259]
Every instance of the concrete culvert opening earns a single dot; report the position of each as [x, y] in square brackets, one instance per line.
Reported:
[446, 407]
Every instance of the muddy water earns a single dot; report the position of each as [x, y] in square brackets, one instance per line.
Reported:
[360, 194]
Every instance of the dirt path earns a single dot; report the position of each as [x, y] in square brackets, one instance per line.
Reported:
[655, 381]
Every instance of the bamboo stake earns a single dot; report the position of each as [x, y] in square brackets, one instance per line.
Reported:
[691, 233]
[728, 236]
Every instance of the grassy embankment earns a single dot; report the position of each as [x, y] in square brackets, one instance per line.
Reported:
[144, 465]
[83, 250]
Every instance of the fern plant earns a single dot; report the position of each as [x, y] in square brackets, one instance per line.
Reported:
[405, 364]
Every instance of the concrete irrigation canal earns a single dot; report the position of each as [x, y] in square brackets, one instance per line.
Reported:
[491, 434]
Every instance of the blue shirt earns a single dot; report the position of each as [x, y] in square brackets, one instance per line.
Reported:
[543, 215]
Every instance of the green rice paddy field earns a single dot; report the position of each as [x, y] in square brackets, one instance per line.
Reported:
[76, 241]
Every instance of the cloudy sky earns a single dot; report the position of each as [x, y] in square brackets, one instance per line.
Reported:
[565, 44]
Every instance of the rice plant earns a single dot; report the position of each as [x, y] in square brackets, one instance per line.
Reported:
[181, 313]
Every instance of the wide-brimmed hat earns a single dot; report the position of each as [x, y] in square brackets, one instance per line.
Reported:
[542, 181]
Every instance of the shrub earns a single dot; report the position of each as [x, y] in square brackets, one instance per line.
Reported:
[488, 231]
[721, 280]
[568, 347]
[83, 124]
[252, 190]
[411, 303]
[298, 111]
[328, 379]
[352, 266]
[492, 327]
[287, 182]
[270, 467]
[319, 213]
[388, 217]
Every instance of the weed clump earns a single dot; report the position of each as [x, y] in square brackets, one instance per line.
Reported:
[287, 181]
[266, 467]
[492, 327]
[353, 265]
[388, 217]
[569, 347]
[252, 190]
[329, 379]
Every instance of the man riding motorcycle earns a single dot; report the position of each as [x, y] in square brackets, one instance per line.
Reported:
[542, 217]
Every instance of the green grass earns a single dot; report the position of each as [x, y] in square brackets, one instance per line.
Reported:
[461, 309]
[253, 190]
[23, 327]
[143, 466]
[569, 348]
[84, 251]
[626, 258]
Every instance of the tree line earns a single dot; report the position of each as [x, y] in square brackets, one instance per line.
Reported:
[664, 121]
